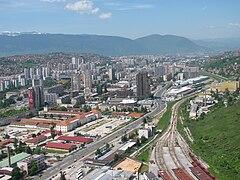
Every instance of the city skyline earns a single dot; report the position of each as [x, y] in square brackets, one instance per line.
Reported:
[191, 19]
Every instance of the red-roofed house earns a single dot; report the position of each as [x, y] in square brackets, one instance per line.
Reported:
[5, 142]
[36, 140]
[56, 132]
[75, 139]
[97, 113]
[60, 147]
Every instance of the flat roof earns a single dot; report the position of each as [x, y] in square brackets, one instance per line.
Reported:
[14, 159]
[129, 165]
[177, 91]
[126, 146]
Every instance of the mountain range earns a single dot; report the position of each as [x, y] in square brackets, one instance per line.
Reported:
[33, 43]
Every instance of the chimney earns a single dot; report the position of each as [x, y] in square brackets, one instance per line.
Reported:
[9, 156]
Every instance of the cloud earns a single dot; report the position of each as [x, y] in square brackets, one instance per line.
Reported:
[236, 24]
[52, 1]
[128, 6]
[83, 7]
[105, 15]
[211, 27]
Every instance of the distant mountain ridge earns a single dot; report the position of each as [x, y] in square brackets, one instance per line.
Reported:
[32, 43]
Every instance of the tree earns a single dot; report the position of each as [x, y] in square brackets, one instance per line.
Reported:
[138, 142]
[107, 145]
[52, 131]
[61, 108]
[37, 150]
[28, 150]
[124, 138]
[33, 168]
[62, 177]
[34, 135]
[97, 151]
[116, 157]
[97, 108]
[51, 116]
[143, 139]
[82, 145]
[16, 174]
[15, 143]
[144, 121]
[39, 133]
[6, 136]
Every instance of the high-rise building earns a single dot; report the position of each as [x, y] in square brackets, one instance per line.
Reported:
[87, 79]
[35, 97]
[32, 72]
[39, 72]
[45, 72]
[143, 88]
[2, 85]
[112, 74]
[27, 73]
[191, 72]
[76, 83]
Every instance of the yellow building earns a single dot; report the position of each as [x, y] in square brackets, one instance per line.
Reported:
[230, 85]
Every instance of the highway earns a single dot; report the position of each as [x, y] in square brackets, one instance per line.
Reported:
[101, 142]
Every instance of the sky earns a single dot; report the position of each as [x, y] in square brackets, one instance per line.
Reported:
[194, 19]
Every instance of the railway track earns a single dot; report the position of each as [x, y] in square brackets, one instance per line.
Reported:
[169, 139]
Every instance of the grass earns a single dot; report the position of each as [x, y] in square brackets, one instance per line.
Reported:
[164, 120]
[54, 151]
[217, 141]
[144, 155]
[144, 168]
[214, 76]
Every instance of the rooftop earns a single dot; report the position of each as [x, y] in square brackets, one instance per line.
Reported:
[75, 139]
[128, 165]
[37, 139]
[14, 159]
[59, 146]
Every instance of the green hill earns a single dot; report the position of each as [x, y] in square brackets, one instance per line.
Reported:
[217, 141]
[98, 44]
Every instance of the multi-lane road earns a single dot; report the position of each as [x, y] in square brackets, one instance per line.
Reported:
[91, 148]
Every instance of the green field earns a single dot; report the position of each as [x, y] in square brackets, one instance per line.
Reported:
[144, 155]
[217, 141]
[165, 119]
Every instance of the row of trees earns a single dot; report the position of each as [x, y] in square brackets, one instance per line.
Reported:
[6, 103]
[12, 112]
[129, 109]
[20, 146]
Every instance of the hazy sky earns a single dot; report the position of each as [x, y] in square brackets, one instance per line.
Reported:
[196, 19]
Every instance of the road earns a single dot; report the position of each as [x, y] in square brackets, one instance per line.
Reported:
[101, 142]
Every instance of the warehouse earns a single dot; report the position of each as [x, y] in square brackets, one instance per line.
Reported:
[76, 140]
[60, 147]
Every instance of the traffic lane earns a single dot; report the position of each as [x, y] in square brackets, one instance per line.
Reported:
[101, 142]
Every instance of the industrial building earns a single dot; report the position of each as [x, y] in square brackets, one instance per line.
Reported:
[60, 147]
